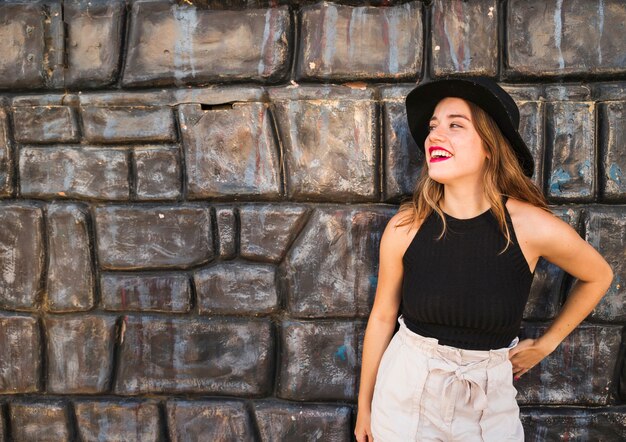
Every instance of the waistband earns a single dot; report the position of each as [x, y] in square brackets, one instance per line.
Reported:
[432, 347]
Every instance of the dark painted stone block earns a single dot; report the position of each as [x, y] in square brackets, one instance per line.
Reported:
[22, 54]
[70, 272]
[575, 425]
[79, 353]
[158, 172]
[331, 269]
[403, 158]
[267, 230]
[613, 160]
[230, 151]
[226, 232]
[118, 421]
[605, 230]
[570, 142]
[128, 124]
[223, 356]
[558, 38]
[149, 237]
[159, 293]
[20, 362]
[94, 38]
[236, 288]
[579, 371]
[550, 282]
[464, 37]
[209, 420]
[21, 256]
[45, 124]
[279, 421]
[531, 128]
[330, 148]
[198, 46]
[319, 361]
[39, 422]
[342, 42]
[80, 172]
[6, 158]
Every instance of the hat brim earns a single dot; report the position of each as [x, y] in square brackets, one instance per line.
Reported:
[422, 100]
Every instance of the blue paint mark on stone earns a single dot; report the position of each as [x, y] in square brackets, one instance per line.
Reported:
[373, 280]
[558, 178]
[615, 173]
[584, 169]
[341, 353]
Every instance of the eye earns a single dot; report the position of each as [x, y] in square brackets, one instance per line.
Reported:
[431, 128]
[455, 124]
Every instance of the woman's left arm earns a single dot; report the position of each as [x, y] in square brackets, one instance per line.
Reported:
[557, 242]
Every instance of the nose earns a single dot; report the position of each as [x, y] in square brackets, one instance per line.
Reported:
[434, 135]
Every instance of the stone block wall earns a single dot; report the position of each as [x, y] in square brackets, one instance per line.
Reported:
[192, 196]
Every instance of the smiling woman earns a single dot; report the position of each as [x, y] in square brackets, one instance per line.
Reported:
[461, 255]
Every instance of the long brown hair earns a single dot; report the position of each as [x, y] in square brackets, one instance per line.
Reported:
[503, 176]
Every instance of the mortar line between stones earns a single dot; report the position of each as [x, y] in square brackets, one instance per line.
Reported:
[116, 353]
[14, 152]
[182, 174]
[281, 153]
[601, 129]
[43, 342]
[90, 222]
[132, 173]
[501, 38]
[163, 421]
[295, 33]
[125, 25]
[8, 429]
[426, 42]
[72, 422]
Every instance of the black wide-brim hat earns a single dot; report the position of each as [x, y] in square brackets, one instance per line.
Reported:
[482, 91]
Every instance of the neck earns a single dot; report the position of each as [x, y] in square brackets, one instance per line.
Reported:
[464, 201]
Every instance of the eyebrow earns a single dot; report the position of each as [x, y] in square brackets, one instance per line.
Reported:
[453, 116]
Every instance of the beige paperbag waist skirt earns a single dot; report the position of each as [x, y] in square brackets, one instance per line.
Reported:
[425, 391]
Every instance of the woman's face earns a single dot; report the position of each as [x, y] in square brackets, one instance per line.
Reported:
[454, 150]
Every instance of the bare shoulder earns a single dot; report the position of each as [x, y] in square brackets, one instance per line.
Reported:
[399, 233]
[535, 223]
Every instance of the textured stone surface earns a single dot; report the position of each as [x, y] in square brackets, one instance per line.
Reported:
[21, 255]
[403, 158]
[39, 422]
[160, 293]
[579, 371]
[570, 142]
[22, 64]
[531, 128]
[222, 356]
[613, 160]
[20, 362]
[332, 267]
[464, 37]
[124, 124]
[6, 159]
[553, 37]
[268, 230]
[148, 237]
[319, 360]
[605, 229]
[230, 151]
[330, 148]
[74, 172]
[94, 39]
[45, 124]
[344, 42]
[280, 421]
[237, 287]
[226, 232]
[70, 273]
[550, 282]
[79, 353]
[209, 420]
[158, 172]
[120, 421]
[560, 424]
[200, 46]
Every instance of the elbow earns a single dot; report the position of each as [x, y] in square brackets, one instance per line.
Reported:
[607, 277]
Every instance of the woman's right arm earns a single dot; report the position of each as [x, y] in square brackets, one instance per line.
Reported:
[382, 319]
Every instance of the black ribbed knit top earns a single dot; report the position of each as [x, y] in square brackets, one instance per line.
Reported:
[459, 289]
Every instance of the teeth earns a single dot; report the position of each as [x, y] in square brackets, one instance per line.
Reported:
[440, 153]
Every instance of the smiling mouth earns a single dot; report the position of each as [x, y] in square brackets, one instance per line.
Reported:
[439, 154]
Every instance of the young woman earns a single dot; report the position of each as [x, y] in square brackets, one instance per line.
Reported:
[461, 257]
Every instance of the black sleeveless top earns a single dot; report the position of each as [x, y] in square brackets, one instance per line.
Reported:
[459, 289]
